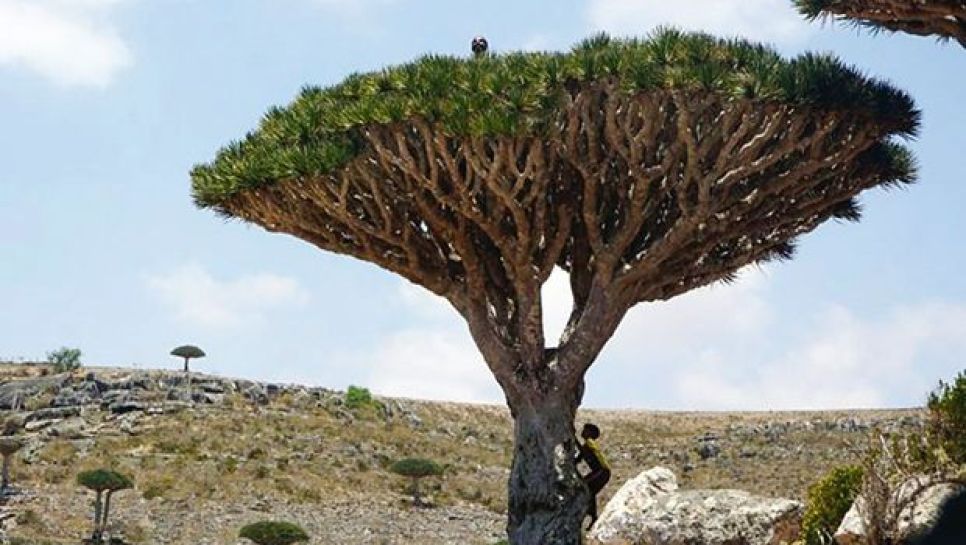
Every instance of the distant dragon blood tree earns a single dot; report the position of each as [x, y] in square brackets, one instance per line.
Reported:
[942, 18]
[643, 168]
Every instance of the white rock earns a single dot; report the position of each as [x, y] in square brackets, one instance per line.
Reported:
[919, 514]
[650, 510]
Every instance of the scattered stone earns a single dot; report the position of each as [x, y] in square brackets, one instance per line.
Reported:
[70, 429]
[708, 447]
[256, 394]
[179, 394]
[69, 397]
[37, 425]
[14, 394]
[211, 387]
[207, 398]
[127, 406]
[52, 413]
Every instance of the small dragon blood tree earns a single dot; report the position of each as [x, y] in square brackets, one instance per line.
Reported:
[103, 481]
[416, 469]
[945, 19]
[643, 168]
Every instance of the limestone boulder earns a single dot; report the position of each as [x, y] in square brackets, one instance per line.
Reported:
[650, 510]
[923, 503]
[15, 393]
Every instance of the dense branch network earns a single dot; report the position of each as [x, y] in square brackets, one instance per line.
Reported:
[639, 196]
[943, 18]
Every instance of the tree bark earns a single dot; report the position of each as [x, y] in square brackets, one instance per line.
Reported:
[107, 508]
[6, 473]
[96, 536]
[547, 498]
[417, 498]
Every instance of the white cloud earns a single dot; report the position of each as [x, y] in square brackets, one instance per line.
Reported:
[842, 362]
[724, 347]
[431, 363]
[69, 42]
[200, 300]
[434, 359]
[764, 20]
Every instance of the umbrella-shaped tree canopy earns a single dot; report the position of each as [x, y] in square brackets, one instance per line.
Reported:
[644, 168]
[943, 18]
[100, 480]
[188, 352]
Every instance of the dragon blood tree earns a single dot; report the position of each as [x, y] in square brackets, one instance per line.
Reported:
[943, 18]
[643, 168]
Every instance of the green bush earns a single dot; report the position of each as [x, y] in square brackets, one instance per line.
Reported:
[64, 359]
[947, 418]
[358, 398]
[273, 533]
[827, 502]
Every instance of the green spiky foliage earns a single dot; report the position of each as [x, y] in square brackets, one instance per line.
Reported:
[945, 19]
[522, 94]
[643, 168]
[416, 467]
[104, 479]
[273, 533]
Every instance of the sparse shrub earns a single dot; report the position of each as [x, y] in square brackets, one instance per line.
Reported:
[828, 501]
[64, 359]
[101, 481]
[947, 418]
[285, 485]
[229, 465]
[262, 472]
[59, 452]
[273, 533]
[29, 517]
[154, 490]
[416, 469]
[897, 469]
[358, 398]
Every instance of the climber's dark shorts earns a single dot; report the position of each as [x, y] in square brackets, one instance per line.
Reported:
[596, 480]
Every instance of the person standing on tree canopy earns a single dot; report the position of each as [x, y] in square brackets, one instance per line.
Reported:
[599, 474]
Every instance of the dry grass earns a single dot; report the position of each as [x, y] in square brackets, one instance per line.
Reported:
[199, 470]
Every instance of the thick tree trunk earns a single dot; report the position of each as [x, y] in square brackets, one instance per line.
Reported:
[548, 499]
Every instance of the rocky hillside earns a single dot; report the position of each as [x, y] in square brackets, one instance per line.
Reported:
[219, 454]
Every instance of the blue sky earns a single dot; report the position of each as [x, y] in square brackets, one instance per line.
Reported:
[106, 104]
